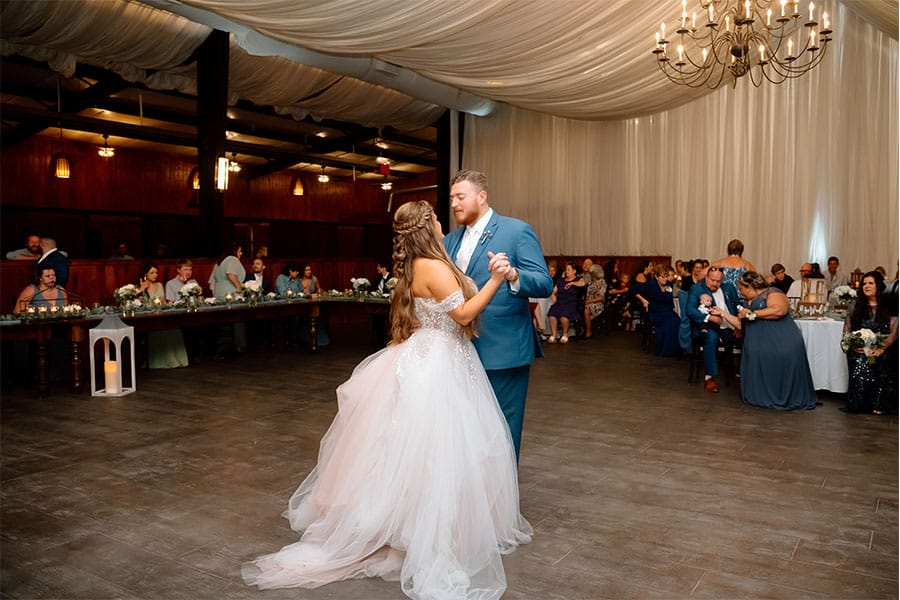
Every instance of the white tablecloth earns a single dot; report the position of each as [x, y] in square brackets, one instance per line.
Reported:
[827, 361]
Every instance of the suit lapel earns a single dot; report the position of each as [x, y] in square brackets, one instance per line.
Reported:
[483, 244]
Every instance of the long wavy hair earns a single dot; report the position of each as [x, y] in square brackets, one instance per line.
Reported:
[860, 310]
[415, 237]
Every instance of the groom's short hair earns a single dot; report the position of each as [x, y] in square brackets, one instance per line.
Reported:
[476, 178]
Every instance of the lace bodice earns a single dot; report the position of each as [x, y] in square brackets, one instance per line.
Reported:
[433, 314]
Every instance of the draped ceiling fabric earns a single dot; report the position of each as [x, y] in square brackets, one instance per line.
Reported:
[591, 143]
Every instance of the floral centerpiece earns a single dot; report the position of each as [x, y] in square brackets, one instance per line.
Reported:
[842, 295]
[360, 284]
[189, 292]
[863, 338]
[128, 299]
[252, 292]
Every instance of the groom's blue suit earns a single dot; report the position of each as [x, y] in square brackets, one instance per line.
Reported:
[507, 342]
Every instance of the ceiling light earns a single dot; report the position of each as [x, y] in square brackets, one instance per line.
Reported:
[386, 186]
[62, 168]
[106, 151]
[321, 134]
[233, 165]
[323, 178]
[743, 38]
[380, 143]
[380, 160]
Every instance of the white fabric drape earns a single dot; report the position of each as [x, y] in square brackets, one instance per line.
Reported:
[798, 171]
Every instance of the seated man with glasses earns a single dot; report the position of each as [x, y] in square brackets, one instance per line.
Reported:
[710, 327]
[794, 291]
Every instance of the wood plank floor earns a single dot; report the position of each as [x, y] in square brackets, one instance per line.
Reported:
[637, 484]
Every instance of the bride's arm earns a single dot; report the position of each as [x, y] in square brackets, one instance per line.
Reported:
[438, 279]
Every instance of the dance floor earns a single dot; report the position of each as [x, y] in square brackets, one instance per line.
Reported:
[638, 485]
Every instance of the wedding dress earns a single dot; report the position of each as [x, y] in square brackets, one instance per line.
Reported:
[416, 476]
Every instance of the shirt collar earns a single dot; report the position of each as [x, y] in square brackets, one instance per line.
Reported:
[479, 225]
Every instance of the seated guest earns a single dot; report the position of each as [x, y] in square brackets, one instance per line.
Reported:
[289, 279]
[871, 385]
[42, 293]
[618, 302]
[833, 276]
[51, 256]
[795, 287]
[309, 281]
[774, 368]
[183, 276]
[781, 280]
[643, 272]
[594, 298]
[257, 273]
[384, 274]
[564, 303]
[31, 251]
[696, 273]
[717, 326]
[121, 253]
[656, 297]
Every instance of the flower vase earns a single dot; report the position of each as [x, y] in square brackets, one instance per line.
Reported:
[252, 300]
[192, 304]
[127, 309]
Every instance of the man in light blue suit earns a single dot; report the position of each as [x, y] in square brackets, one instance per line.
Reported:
[507, 342]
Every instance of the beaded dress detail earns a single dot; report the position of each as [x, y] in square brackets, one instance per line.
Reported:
[416, 477]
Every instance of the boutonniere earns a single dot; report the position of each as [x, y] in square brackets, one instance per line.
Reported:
[486, 236]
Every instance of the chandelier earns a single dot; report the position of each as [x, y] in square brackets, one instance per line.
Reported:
[741, 38]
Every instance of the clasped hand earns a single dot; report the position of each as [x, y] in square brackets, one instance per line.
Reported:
[499, 264]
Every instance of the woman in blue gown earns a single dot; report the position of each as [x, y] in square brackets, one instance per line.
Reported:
[774, 368]
[564, 303]
[656, 296]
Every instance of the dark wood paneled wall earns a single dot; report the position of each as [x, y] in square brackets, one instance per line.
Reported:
[146, 199]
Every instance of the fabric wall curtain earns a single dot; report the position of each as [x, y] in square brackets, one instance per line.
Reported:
[798, 171]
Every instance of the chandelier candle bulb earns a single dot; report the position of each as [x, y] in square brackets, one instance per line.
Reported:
[705, 52]
[680, 53]
[790, 48]
[783, 2]
[747, 8]
[711, 19]
[825, 20]
[769, 17]
[728, 23]
[762, 54]
[662, 29]
[812, 10]
[812, 39]
[694, 20]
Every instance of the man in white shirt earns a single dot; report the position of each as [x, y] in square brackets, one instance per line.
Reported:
[182, 277]
[833, 277]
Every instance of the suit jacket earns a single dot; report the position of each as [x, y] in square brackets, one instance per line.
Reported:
[266, 287]
[506, 336]
[59, 263]
[693, 301]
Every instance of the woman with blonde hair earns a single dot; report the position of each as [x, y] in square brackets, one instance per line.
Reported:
[416, 477]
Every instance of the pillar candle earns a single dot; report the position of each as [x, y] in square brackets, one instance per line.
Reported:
[111, 376]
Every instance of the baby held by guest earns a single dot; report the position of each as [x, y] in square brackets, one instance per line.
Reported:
[705, 304]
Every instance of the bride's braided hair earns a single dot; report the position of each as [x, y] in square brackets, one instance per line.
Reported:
[415, 237]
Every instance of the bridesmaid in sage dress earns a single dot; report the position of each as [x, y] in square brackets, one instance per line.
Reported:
[165, 349]
[774, 368]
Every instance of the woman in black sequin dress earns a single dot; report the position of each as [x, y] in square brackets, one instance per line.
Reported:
[870, 383]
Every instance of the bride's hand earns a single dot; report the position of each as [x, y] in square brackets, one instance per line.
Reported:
[499, 265]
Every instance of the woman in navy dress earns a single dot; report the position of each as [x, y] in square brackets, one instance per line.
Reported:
[564, 302]
[774, 369]
[656, 297]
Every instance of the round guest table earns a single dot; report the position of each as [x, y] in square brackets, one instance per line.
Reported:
[827, 361]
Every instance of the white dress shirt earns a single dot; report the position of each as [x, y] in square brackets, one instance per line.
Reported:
[471, 236]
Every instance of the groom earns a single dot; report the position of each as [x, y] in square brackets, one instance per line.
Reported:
[507, 342]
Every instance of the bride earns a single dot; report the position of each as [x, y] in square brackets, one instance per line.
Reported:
[416, 476]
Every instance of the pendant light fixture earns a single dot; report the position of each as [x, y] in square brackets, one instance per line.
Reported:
[106, 151]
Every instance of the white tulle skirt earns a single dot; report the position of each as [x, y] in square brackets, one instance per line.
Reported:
[416, 480]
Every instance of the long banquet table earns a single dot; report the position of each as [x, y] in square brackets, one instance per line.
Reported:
[827, 361]
[74, 329]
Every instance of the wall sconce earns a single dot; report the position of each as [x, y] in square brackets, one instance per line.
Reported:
[297, 186]
[221, 173]
[194, 179]
[61, 166]
[323, 178]
[106, 151]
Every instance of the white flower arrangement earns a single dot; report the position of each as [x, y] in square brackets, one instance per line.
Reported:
[391, 283]
[252, 287]
[360, 284]
[844, 293]
[191, 288]
[126, 293]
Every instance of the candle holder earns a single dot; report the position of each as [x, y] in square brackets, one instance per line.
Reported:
[115, 335]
